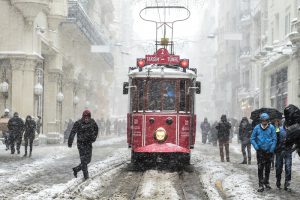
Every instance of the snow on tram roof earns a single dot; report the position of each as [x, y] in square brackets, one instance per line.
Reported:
[155, 71]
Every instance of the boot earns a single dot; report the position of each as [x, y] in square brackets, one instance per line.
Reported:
[249, 161]
[267, 186]
[278, 184]
[25, 154]
[228, 159]
[244, 162]
[85, 175]
[29, 154]
[260, 189]
[287, 186]
[75, 172]
[18, 151]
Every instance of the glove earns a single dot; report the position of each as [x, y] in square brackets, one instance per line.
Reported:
[70, 145]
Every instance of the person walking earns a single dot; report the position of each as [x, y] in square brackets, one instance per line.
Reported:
[16, 127]
[205, 128]
[29, 135]
[245, 131]
[108, 126]
[223, 128]
[283, 157]
[264, 140]
[87, 131]
[5, 131]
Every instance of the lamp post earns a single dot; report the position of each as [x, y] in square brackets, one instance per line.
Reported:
[4, 90]
[60, 98]
[75, 103]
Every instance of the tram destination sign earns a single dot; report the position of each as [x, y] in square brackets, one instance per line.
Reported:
[162, 56]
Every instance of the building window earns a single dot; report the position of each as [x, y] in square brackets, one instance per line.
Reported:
[279, 89]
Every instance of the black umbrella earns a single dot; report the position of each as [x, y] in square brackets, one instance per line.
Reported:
[272, 112]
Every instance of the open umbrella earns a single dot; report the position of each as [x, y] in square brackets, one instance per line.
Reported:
[272, 112]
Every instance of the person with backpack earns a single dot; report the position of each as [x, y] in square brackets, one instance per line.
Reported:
[264, 140]
[223, 128]
[87, 131]
[245, 131]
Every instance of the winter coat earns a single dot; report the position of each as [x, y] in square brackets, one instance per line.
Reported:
[30, 127]
[223, 128]
[245, 130]
[205, 127]
[264, 139]
[86, 132]
[15, 126]
[214, 132]
[281, 141]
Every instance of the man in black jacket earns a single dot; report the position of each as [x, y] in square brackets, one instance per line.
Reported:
[87, 131]
[223, 128]
[16, 127]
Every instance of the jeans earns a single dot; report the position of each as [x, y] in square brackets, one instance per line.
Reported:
[284, 157]
[264, 166]
[248, 146]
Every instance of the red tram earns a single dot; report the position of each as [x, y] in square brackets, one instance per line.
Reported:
[161, 122]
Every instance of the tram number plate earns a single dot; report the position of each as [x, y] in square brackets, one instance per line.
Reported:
[168, 59]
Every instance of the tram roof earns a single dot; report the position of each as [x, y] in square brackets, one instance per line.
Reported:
[162, 72]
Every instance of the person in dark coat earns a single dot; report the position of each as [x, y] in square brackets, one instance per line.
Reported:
[87, 131]
[223, 128]
[264, 140]
[205, 128]
[29, 135]
[245, 131]
[214, 134]
[107, 125]
[16, 127]
[283, 157]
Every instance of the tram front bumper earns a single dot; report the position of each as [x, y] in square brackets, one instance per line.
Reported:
[162, 148]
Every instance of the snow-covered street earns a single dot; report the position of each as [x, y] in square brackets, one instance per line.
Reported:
[48, 175]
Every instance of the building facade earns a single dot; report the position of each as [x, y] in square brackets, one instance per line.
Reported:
[47, 67]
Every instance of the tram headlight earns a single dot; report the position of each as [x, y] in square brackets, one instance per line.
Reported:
[160, 135]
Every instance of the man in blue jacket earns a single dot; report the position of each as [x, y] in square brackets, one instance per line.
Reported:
[263, 139]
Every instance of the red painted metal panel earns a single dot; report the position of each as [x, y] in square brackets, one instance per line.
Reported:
[162, 148]
[184, 131]
[137, 131]
[160, 121]
[194, 130]
[128, 129]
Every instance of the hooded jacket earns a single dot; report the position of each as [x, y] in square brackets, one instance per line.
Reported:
[264, 139]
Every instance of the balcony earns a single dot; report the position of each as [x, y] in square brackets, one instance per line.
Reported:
[31, 8]
[78, 16]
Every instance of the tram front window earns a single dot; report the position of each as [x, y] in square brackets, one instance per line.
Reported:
[154, 99]
[168, 95]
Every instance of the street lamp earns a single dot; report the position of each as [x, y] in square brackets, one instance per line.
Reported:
[38, 89]
[60, 97]
[76, 100]
[4, 90]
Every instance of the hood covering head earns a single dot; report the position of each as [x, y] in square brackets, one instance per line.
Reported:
[223, 118]
[28, 117]
[245, 119]
[16, 114]
[205, 119]
[291, 114]
[86, 113]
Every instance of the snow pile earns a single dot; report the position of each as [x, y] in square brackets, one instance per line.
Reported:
[158, 185]
[62, 189]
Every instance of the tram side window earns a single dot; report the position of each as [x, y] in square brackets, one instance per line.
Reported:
[168, 92]
[182, 98]
[154, 97]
